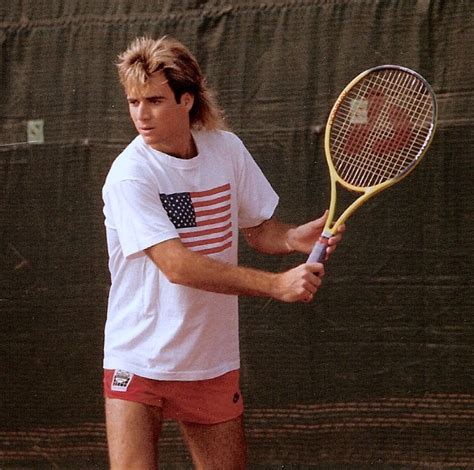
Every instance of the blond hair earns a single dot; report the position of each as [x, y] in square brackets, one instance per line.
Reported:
[146, 56]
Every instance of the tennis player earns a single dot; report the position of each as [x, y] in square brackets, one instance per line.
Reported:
[174, 202]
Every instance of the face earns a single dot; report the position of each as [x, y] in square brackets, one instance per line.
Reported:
[162, 122]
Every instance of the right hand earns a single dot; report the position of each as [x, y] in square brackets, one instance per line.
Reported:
[299, 284]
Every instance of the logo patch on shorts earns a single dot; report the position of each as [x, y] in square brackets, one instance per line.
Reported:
[121, 380]
[236, 397]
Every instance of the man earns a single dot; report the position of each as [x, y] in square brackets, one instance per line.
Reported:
[175, 199]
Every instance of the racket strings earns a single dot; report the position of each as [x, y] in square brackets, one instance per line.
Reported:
[386, 167]
[381, 127]
[373, 162]
[368, 162]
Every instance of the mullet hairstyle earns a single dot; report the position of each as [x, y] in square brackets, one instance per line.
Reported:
[146, 56]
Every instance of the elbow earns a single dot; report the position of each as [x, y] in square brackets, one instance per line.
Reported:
[175, 276]
[251, 237]
[172, 259]
[176, 272]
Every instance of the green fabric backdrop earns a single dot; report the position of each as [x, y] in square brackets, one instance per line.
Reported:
[378, 372]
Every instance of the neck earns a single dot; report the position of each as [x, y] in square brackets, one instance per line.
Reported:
[185, 150]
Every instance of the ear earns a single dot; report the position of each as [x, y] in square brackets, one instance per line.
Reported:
[187, 99]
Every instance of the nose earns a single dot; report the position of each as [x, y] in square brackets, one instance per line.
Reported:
[143, 113]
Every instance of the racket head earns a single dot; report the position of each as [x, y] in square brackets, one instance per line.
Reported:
[378, 130]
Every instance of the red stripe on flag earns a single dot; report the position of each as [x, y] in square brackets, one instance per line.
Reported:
[217, 210]
[217, 220]
[208, 231]
[217, 249]
[210, 192]
[208, 241]
[211, 202]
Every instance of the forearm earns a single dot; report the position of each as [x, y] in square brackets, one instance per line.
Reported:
[185, 267]
[214, 276]
[182, 266]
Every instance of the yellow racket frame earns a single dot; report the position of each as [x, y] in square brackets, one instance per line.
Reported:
[331, 228]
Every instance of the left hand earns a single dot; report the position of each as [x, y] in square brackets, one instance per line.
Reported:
[303, 237]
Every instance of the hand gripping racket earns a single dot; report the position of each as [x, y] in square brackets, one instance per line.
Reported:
[377, 132]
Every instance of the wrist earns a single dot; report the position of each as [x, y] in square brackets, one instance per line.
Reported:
[274, 286]
[289, 239]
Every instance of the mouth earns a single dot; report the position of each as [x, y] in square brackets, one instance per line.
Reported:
[145, 130]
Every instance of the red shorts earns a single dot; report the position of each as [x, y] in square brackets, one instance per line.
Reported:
[202, 401]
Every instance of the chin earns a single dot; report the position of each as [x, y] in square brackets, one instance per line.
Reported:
[149, 140]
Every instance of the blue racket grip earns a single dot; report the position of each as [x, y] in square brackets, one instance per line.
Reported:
[318, 255]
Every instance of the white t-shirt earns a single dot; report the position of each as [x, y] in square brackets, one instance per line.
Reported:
[166, 331]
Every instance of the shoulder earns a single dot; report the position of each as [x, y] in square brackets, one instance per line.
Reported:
[219, 139]
[222, 146]
[130, 164]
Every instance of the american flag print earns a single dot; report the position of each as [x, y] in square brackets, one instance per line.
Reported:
[202, 218]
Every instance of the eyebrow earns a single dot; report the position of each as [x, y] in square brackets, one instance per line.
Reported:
[148, 98]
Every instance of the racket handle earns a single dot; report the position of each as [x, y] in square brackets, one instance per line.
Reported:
[318, 254]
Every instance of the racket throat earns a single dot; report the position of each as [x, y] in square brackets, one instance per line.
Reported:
[326, 235]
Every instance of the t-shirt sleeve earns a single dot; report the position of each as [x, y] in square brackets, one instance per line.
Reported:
[257, 199]
[135, 211]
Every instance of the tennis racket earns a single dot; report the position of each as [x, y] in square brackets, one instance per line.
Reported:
[377, 132]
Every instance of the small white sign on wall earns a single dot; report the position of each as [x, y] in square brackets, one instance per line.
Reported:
[34, 131]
